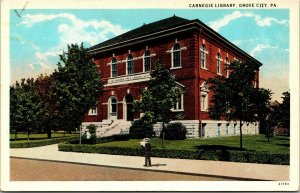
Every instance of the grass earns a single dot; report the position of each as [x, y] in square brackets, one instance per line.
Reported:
[23, 136]
[277, 144]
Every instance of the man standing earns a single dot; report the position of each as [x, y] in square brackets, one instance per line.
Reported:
[147, 152]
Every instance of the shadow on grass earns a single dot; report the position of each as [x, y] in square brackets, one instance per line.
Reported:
[33, 139]
[284, 145]
[218, 147]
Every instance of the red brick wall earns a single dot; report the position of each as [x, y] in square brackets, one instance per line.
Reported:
[190, 75]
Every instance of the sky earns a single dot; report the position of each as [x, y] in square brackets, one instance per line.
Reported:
[37, 37]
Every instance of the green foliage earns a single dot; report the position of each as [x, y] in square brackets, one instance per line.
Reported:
[141, 129]
[47, 121]
[236, 97]
[175, 131]
[217, 155]
[122, 137]
[92, 128]
[158, 100]
[37, 143]
[25, 106]
[284, 112]
[77, 86]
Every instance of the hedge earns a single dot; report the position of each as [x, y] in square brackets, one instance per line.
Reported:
[217, 155]
[37, 143]
[123, 137]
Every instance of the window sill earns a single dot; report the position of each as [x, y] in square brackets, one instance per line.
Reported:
[92, 114]
[219, 74]
[174, 68]
[177, 110]
[204, 68]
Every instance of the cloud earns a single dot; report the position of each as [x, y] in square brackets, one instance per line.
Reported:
[70, 30]
[45, 55]
[75, 30]
[218, 24]
[260, 47]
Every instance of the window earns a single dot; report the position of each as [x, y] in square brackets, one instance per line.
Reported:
[147, 61]
[203, 130]
[176, 61]
[112, 107]
[219, 59]
[93, 111]
[129, 64]
[178, 105]
[203, 56]
[114, 67]
[204, 97]
[204, 101]
[227, 65]
[218, 129]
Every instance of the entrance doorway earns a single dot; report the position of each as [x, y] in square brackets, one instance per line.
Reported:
[128, 108]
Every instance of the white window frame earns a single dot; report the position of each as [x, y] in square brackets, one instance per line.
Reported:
[204, 94]
[131, 64]
[172, 56]
[110, 113]
[177, 109]
[144, 59]
[111, 68]
[219, 64]
[227, 62]
[203, 53]
[93, 111]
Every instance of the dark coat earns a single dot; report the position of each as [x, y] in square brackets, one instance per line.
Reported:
[147, 149]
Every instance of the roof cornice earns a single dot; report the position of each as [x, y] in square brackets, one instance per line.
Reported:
[194, 24]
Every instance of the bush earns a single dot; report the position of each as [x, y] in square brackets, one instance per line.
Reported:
[175, 131]
[37, 143]
[92, 128]
[140, 129]
[217, 155]
[122, 137]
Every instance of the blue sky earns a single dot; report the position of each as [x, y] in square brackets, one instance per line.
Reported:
[38, 36]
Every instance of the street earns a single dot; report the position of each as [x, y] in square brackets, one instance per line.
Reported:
[37, 170]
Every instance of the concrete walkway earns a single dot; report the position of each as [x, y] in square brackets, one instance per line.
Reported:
[231, 170]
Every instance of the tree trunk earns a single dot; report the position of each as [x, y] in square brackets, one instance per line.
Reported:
[15, 134]
[79, 134]
[163, 135]
[49, 134]
[28, 133]
[241, 135]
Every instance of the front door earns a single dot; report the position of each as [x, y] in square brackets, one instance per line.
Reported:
[129, 113]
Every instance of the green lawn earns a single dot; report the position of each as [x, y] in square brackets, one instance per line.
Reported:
[278, 144]
[23, 136]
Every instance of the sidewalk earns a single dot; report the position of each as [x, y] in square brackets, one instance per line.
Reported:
[232, 170]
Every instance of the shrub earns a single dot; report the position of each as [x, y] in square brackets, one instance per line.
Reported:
[175, 131]
[122, 137]
[221, 155]
[92, 128]
[140, 129]
[37, 143]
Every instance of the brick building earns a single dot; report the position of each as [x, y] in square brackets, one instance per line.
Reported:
[190, 49]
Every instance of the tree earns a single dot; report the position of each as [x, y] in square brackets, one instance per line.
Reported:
[77, 85]
[235, 98]
[158, 100]
[47, 121]
[284, 109]
[25, 106]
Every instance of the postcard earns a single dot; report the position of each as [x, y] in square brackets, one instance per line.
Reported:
[145, 95]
